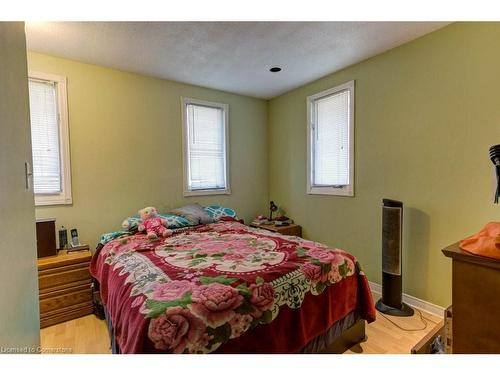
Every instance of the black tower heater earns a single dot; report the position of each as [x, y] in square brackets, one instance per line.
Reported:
[391, 302]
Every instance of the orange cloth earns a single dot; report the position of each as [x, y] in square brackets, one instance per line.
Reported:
[486, 243]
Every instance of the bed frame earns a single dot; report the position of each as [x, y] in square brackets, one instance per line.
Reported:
[348, 339]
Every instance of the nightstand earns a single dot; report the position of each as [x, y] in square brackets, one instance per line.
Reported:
[289, 230]
[64, 285]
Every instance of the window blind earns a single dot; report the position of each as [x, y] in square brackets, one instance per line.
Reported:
[206, 147]
[45, 137]
[331, 140]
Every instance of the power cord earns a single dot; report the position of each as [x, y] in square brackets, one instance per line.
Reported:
[422, 319]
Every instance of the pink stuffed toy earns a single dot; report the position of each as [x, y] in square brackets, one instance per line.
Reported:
[153, 224]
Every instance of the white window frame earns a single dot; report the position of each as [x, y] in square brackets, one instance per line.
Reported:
[65, 196]
[347, 190]
[225, 108]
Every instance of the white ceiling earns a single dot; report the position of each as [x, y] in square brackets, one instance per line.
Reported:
[229, 56]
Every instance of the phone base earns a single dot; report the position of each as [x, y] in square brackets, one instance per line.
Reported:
[77, 248]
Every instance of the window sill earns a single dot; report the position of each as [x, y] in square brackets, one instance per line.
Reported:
[52, 200]
[343, 192]
[191, 193]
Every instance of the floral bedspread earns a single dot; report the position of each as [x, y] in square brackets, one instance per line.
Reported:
[208, 285]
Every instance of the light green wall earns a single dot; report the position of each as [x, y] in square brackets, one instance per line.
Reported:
[125, 139]
[425, 115]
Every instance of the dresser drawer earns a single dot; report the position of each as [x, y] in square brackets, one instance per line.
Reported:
[65, 298]
[64, 284]
[65, 314]
[63, 275]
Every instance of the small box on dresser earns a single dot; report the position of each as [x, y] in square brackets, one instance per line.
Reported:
[46, 237]
[64, 284]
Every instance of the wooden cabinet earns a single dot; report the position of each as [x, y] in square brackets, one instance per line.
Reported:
[476, 302]
[64, 285]
[289, 230]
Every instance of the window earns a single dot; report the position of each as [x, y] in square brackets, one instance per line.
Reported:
[205, 147]
[330, 152]
[49, 139]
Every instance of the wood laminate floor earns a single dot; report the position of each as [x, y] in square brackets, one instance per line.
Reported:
[385, 338]
[90, 335]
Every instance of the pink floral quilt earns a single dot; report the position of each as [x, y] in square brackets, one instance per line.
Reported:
[204, 287]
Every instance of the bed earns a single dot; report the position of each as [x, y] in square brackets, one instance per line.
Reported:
[226, 287]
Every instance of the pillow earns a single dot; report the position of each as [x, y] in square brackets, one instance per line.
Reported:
[194, 213]
[173, 222]
[216, 212]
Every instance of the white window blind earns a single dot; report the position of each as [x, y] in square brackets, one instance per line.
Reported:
[330, 157]
[45, 137]
[206, 147]
[331, 140]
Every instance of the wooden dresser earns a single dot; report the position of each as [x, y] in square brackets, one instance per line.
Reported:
[476, 302]
[64, 285]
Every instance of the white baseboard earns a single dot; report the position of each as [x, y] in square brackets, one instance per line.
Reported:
[418, 303]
